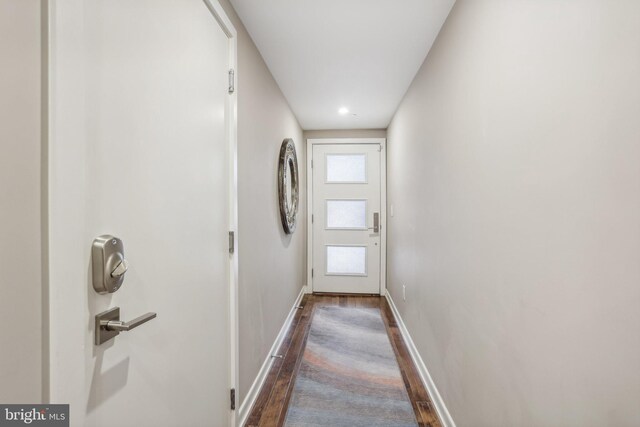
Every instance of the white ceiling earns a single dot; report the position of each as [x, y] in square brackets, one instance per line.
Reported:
[361, 54]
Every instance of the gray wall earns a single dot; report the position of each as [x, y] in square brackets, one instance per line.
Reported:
[272, 264]
[20, 235]
[514, 171]
[345, 133]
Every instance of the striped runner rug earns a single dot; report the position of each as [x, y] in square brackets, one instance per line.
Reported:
[349, 375]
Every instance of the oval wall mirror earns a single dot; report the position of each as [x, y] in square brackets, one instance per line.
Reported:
[288, 185]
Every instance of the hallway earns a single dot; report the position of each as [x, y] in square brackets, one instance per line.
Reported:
[229, 213]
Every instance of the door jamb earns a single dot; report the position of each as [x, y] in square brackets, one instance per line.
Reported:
[231, 118]
[383, 203]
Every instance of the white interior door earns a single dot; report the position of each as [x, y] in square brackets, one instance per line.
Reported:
[346, 218]
[140, 149]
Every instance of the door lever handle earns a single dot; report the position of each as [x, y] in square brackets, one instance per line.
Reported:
[108, 324]
[376, 223]
[119, 325]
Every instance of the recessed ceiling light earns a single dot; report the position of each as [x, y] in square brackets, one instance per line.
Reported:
[343, 110]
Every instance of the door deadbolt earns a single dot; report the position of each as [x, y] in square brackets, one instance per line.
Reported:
[108, 264]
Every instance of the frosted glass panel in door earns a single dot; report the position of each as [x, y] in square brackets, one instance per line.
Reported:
[347, 260]
[346, 168]
[347, 214]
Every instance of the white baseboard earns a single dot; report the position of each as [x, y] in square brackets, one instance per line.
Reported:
[252, 395]
[443, 413]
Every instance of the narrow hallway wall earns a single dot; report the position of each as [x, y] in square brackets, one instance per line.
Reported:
[272, 264]
[514, 175]
[20, 193]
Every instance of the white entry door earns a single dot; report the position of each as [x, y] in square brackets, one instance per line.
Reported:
[142, 126]
[347, 218]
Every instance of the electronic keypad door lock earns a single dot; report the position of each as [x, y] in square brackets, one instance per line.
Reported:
[108, 264]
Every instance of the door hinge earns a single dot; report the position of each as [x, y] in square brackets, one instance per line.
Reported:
[232, 81]
[311, 218]
[312, 272]
[232, 395]
[232, 242]
[311, 163]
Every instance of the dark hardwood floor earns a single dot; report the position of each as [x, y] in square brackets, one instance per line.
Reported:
[271, 405]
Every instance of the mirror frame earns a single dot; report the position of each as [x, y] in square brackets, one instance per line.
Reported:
[288, 163]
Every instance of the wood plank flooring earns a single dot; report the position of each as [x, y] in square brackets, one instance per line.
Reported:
[271, 405]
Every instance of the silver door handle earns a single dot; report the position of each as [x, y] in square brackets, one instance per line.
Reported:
[376, 223]
[119, 325]
[108, 324]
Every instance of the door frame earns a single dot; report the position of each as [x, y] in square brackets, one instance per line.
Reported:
[383, 202]
[231, 118]
[60, 121]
